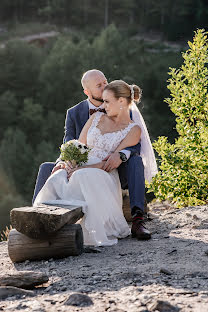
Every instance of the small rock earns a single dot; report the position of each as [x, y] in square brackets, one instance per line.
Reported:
[112, 301]
[79, 300]
[165, 271]
[51, 301]
[163, 306]
[96, 277]
[88, 249]
[49, 288]
[117, 310]
[63, 288]
[206, 252]
[172, 251]
[10, 291]
[195, 217]
[118, 257]
[34, 306]
[21, 306]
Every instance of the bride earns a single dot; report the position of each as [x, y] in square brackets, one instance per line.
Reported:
[90, 186]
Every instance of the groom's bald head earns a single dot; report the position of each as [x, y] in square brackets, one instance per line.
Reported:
[90, 77]
[94, 82]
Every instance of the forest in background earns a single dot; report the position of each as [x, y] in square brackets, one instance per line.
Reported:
[175, 20]
[39, 83]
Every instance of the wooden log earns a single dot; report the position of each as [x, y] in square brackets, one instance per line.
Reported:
[126, 208]
[44, 220]
[23, 279]
[68, 241]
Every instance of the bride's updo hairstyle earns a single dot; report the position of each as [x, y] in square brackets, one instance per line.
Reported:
[122, 89]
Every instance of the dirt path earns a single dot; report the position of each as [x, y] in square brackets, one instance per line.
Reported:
[34, 37]
[167, 45]
[131, 276]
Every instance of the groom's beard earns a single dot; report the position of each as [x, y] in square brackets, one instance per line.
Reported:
[97, 99]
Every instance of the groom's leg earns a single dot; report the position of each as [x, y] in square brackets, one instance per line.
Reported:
[43, 174]
[132, 173]
[136, 184]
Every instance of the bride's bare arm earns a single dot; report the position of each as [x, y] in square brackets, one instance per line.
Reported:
[83, 134]
[132, 138]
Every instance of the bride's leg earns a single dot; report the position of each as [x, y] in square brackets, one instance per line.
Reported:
[52, 187]
[103, 215]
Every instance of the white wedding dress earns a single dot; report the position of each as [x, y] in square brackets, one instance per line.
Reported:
[97, 191]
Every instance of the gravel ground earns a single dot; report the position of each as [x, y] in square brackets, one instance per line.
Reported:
[167, 273]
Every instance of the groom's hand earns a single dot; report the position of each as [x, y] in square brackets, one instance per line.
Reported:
[113, 161]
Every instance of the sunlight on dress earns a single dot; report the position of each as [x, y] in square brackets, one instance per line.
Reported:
[98, 192]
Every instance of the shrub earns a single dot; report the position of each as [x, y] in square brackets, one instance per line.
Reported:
[183, 178]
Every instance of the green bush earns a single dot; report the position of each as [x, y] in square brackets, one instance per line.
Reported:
[183, 178]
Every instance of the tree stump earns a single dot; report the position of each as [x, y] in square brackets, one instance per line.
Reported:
[68, 241]
[44, 220]
[126, 207]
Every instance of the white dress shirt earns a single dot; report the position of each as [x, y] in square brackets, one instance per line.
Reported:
[91, 106]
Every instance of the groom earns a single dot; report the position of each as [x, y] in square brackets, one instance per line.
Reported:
[128, 161]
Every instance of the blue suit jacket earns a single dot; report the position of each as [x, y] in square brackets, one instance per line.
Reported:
[76, 117]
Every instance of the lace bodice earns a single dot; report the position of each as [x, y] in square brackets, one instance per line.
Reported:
[103, 144]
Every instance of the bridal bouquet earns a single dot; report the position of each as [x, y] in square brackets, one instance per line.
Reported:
[75, 152]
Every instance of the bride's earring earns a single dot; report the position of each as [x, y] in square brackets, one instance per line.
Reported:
[121, 107]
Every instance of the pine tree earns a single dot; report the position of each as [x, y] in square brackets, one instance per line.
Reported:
[183, 178]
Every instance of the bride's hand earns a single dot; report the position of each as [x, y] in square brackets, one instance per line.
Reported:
[59, 165]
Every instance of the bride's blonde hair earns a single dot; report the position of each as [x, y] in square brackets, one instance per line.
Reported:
[122, 89]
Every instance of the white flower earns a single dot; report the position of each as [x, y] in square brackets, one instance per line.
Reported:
[75, 142]
[83, 150]
[63, 147]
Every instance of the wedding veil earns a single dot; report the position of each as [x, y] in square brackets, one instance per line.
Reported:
[147, 153]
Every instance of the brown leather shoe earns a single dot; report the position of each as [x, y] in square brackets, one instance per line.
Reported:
[139, 231]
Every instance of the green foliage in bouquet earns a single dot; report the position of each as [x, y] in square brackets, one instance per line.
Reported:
[183, 178]
[75, 152]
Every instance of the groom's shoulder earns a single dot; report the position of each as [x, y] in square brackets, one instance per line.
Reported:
[77, 107]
